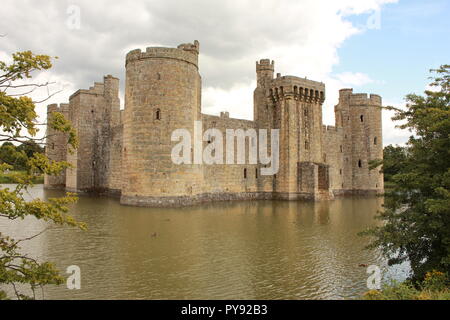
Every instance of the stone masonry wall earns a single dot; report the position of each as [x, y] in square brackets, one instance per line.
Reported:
[93, 113]
[233, 178]
[128, 152]
[56, 147]
[162, 94]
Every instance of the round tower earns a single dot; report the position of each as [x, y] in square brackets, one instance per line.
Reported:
[162, 94]
[361, 118]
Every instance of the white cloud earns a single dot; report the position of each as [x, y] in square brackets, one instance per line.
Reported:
[353, 78]
[392, 134]
[303, 37]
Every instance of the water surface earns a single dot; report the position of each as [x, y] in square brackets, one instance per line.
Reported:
[221, 250]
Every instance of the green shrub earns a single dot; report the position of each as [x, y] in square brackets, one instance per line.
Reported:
[434, 287]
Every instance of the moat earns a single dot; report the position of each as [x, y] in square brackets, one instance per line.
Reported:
[221, 250]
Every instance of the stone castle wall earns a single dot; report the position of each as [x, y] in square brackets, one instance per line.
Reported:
[229, 178]
[95, 114]
[56, 147]
[128, 152]
[334, 156]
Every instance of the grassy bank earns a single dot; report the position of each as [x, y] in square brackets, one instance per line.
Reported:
[434, 287]
[11, 177]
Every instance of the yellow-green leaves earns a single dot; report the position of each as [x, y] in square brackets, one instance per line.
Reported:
[23, 163]
[17, 113]
[23, 64]
[60, 123]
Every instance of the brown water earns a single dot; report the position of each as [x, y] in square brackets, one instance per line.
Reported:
[222, 250]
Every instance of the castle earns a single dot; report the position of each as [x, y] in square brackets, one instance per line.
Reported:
[127, 153]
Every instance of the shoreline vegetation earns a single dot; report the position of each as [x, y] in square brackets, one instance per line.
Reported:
[435, 286]
[416, 213]
[11, 177]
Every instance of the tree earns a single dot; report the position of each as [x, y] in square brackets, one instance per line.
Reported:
[416, 214]
[17, 156]
[30, 147]
[18, 123]
[9, 155]
[393, 161]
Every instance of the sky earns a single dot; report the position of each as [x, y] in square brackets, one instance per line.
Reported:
[375, 46]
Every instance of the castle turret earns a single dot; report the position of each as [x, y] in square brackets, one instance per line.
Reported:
[162, 94]
[264, 71]
[56, 146]
[360, 117]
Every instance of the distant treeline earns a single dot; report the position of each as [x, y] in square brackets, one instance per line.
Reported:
[17, 156]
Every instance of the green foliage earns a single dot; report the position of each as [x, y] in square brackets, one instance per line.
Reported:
[17, 114]
[10, 155]
[30, 148]
[434, 287]
[61, 124]
[416, 215]
[17, 156]
[394, 158]
[11, 177]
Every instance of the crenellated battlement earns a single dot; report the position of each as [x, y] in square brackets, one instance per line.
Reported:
[185, 52]
[110, 85]
[224, 114]
[297, 88]
[54, 107]
[265, 64]
[347, 96]
[195, 47]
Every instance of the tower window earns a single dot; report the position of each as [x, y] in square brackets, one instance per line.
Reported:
[359, 163]
[375, 140]
[306, 145]
[53, 145]
[245, 173]
[340, 147]
[340, 171]
[256, 173]
[362, 118]
[158, 76]
[158, 114]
